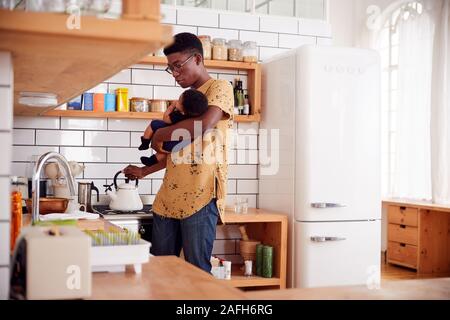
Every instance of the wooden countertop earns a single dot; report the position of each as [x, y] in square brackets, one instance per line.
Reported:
[254, 215]
[171, 278]
[162, 278]
[421, 204]
[422, 289]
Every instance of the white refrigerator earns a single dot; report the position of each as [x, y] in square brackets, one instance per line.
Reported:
[325, 102]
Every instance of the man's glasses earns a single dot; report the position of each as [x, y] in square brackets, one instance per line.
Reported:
[177, 67]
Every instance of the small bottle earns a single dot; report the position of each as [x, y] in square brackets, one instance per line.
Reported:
[16, 213]
[240, 97]
[236, 110]
[246, 105]
[227, 265]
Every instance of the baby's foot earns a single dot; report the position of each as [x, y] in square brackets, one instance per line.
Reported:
[149, 161]
[145, 144]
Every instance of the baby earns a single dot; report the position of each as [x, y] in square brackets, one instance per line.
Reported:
[192, 103]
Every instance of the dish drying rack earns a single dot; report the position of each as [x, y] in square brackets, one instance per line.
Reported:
[113, 251]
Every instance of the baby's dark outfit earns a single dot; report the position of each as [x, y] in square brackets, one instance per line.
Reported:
[175, 116]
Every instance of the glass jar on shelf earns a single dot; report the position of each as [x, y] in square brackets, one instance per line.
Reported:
[220, 50]
[250, 53]
[206, 44]
[235, 50]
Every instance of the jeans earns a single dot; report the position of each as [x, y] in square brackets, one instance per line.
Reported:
[194, 234]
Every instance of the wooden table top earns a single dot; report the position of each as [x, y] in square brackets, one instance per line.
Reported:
[162, 278]
[421, 289]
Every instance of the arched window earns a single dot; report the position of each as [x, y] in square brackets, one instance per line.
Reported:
[388, 45]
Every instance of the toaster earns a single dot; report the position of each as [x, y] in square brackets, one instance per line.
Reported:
[51, 263]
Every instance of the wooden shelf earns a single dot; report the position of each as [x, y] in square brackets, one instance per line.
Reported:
[126, 115]
[230, 65]
[271, 229]
[49, 57]
[239, 280]
[253, 81]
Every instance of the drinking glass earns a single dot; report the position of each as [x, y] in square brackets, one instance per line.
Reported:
[241, 205]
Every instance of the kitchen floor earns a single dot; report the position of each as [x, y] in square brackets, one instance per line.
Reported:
[390, 272]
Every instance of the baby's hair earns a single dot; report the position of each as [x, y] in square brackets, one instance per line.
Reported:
[194, 102]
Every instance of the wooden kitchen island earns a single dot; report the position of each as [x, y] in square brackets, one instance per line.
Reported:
[171, 278]
[163, 278]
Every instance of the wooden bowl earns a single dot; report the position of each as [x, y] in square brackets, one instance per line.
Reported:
[49, 205]
[248, 249]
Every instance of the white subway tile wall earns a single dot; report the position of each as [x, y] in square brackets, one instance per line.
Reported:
[239, 21]
[105, 146]
[6, 142]
[5, 100]
[198, 17]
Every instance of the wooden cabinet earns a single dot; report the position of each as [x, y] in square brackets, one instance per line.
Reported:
[271, 229]
[403, 236]
[49, 56]
[419, 236]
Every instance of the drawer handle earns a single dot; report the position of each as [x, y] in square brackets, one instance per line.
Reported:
[402, 208]
[402, 245]
[402, 226]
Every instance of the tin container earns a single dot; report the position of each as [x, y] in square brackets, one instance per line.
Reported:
[110, 102]
[123, 104]
[99, 102]
[259, 258]
[139, 105]
[158, 105]
[267, 261]
[88, 101]
[75, 104]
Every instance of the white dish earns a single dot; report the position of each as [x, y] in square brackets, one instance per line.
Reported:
[116, 258]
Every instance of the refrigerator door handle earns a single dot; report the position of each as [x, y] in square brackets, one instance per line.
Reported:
[326, 239]
[322, 205]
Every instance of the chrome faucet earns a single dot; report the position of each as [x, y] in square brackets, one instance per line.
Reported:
[36, 179]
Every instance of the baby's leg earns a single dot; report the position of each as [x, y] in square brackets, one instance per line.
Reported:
[148, 133]
[154, 159]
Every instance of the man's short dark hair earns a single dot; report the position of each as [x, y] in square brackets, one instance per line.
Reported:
[195, 103]
[185, 42]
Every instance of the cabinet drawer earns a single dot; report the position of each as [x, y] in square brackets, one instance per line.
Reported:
[403, 234]
[404, 254]
[403, 215]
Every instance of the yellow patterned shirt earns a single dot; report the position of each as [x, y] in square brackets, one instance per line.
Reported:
[198, 173]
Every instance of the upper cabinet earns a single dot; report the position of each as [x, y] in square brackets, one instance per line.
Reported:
[50, 57]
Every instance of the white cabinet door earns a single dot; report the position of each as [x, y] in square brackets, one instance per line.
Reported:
[337, 253]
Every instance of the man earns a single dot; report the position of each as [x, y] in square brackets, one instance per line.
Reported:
[192, 196]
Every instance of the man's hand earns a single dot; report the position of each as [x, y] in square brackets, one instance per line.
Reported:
[133, 172]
